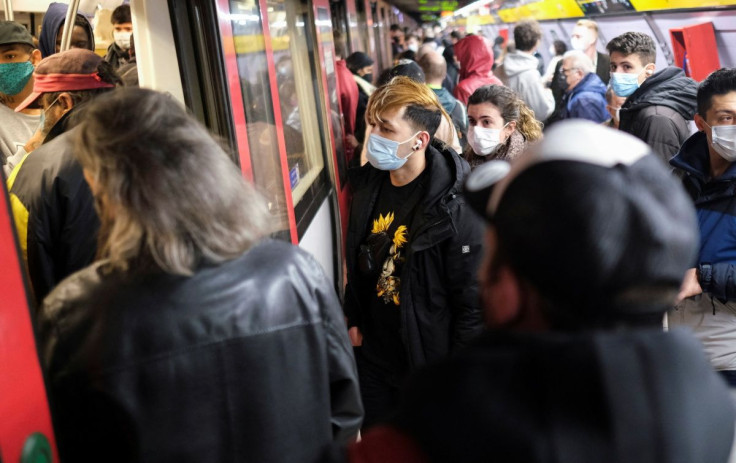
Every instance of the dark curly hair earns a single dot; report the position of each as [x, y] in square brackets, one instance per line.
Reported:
[527, 34]
[636, 43]
[718, 82]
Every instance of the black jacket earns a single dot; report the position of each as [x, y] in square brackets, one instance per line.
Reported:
[439, 290]
[116, 56]
[54, 210]
[643, 396]
[245, 361]
[658, 111]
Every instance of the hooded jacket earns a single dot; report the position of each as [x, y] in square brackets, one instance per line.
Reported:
[439, 291]
[116, 56]
[639, 396]
[519, 72]
[475, 54]
[658, 111]
[247, 360]
[53, 209]
[587, 100]
[457, 113]
[52, 21]
[711, 315]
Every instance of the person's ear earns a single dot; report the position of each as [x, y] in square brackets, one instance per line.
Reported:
[699, 122]
[422, 141]
[509, 129]
[36, 57]
[649, 69]
[66, 102]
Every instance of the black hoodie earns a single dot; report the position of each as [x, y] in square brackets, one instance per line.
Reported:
[658, 111]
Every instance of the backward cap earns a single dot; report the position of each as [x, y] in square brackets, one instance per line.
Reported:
[13, 32]
[589, 214]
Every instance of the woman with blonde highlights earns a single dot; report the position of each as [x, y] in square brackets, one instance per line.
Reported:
[500, 125]
[192, 328]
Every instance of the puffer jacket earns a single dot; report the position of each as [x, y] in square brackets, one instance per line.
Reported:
[711, 315]
[248, 360]
[519, 72]
[54, 209]
[658, 111]
[475, 54]
[440, 307]
[587, 100]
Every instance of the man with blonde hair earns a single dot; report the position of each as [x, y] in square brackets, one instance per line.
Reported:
[585, 95]
[413, 247]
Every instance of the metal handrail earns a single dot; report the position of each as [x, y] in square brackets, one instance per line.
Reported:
[71, 13]
[9, 16]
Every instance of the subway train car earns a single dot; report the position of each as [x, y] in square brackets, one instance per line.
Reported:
[260, 74]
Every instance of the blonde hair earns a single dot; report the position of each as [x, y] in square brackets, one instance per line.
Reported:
[167, 194]
[423, 109]
[592, 25]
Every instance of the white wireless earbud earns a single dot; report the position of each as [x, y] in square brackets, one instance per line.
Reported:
[418, 145]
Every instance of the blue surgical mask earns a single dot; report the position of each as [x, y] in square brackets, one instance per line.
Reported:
[14, 77]
[625, 84]
[382, 152]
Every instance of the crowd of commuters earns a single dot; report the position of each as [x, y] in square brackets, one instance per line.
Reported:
[506, 288]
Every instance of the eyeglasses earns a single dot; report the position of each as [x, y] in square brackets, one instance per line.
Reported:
[565, 71]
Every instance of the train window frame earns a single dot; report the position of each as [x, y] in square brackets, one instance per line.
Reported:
[311, 188]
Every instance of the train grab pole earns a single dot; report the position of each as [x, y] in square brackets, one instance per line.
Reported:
[71, 13]
[9, 10]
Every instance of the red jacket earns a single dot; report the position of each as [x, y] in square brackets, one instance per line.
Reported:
[348, 91]
[475, 54]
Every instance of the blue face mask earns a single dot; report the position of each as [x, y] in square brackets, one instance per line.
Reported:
[381, 152]
[625, 84]
[14, 77]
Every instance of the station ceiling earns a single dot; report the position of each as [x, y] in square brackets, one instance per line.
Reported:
[428, 10]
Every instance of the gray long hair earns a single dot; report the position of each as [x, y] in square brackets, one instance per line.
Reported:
[165, 189]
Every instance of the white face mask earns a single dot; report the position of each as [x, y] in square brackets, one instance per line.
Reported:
[579, 43]
[723, 140]
[122, 39]
[484, 140]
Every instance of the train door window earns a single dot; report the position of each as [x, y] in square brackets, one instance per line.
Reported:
[305, 133]
[261, 126]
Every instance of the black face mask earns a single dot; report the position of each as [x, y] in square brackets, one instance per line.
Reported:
[368, 77]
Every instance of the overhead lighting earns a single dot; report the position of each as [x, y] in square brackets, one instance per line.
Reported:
[473, 6]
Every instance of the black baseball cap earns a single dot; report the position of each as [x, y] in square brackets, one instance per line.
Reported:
[358, 60]
[13, 32]
[588, 216]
